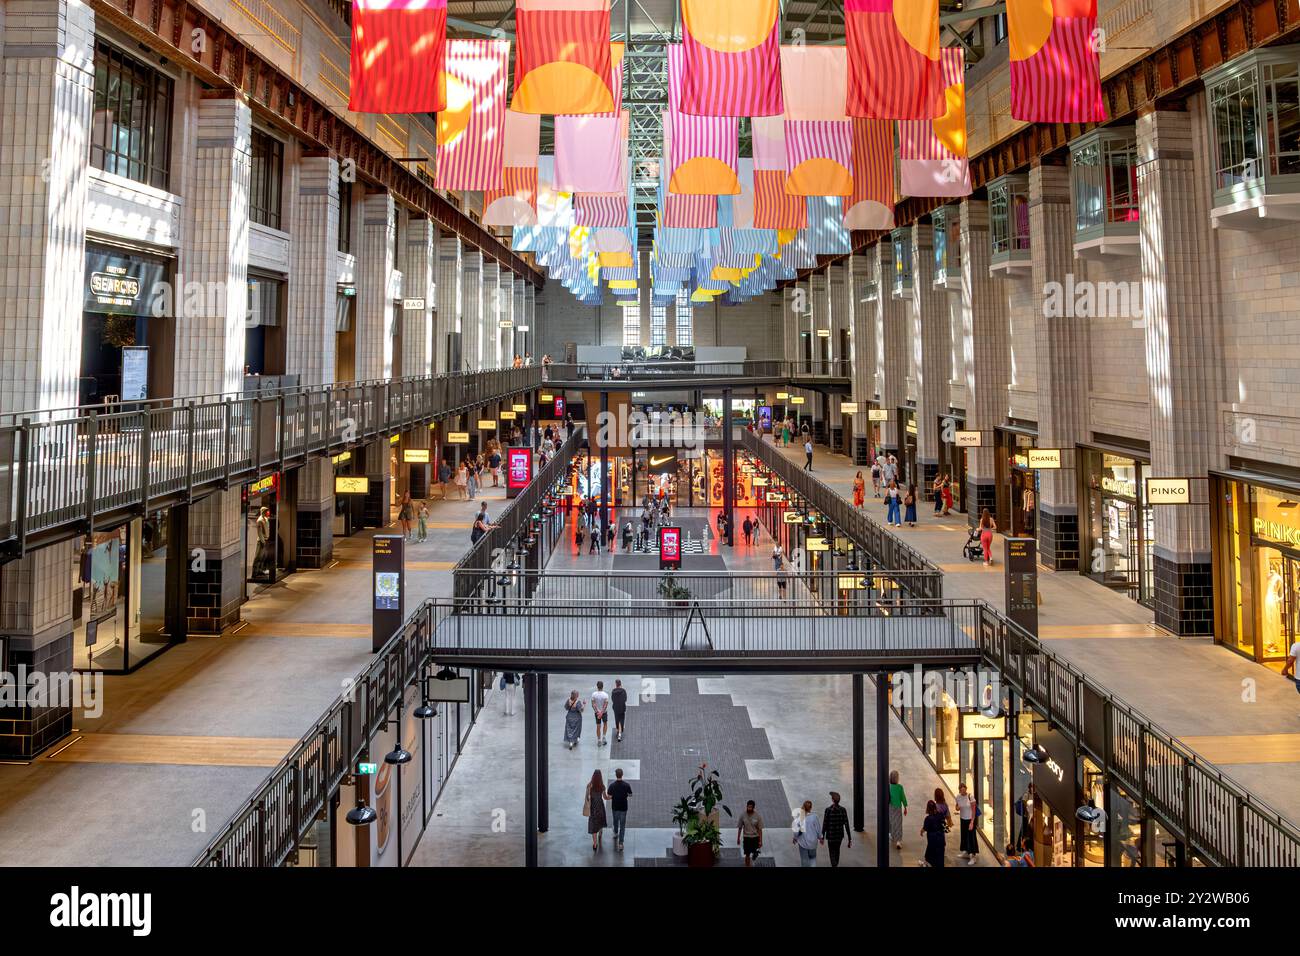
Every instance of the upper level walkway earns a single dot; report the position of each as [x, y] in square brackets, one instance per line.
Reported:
[827, 376]
[1239, 716]
[69, 471]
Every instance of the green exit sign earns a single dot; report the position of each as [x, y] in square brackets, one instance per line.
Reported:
[367, 769]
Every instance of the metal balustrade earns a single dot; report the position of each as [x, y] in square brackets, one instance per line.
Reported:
[66, 471]
[920, 577]
[737, 374]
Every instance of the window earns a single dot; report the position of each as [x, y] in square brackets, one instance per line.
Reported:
[1255, 113]
[1104, 171]
[268, 172]
[345, 216]
[659, 325]
[999, 29]
[131, 130]
[632, 324]
[902, 243]
[1009, 217]
[685, 319]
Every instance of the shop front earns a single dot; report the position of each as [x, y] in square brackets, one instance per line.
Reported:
[1256, 565]
[1017, 492]
[127, 329]
[909, 473]
[264, 552]
[1056, 829]
[952, 459]
[1119, 542]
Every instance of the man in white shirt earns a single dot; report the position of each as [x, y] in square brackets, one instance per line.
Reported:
[600, 710]
[808, 450]
[1291, 656]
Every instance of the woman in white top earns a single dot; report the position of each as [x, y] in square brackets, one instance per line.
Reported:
[967, 816]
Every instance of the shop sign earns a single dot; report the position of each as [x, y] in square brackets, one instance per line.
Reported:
[911, 426]
[519, 468]
[852, 582]
[395, 439]
[486, 424]
[1043, 459]
[523, 328]
[449, 690]
[1169, 491]
[1054, 779]
[388, 564]
[848, 408]
[547, 398]
[122, 284]
[793, 517]
[559, 407]
[982, 727]
[759, 481]
[413, 305]
[777, 498]
[135, 373]
[798, 400]
[1124, 487]
[507, 416]
[263, 486]
[457, 438]
[416, 456]
[662, 461]
[877, 415]
[519, 409]
[1276, 532]
[782, 396]
[507, 324]
[344, 485]
[342, 459]
[816, 544]
[1024, 441]
[968, 440]
[670, 549]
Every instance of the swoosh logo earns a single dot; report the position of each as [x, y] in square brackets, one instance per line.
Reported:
[656, 462]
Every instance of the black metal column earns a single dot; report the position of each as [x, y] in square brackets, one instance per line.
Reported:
[859, 763]
[728, 469]
[543, 762]
[603, 436]
[882, 770]
[530, 769]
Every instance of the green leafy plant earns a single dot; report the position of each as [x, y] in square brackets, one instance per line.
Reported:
[699, 809]
[670, 590]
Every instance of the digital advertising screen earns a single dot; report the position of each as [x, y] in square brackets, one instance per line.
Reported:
[519, 468]
[559, 407]
[670, 549]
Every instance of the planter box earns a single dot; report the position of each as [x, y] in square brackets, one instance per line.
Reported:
[700, 855]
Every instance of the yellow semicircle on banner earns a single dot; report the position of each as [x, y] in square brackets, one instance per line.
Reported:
[703, 295]
[786, 236]
[1029, 24]
[918, 23]
[720, 274]
[729, 26]
[622, 283]
[565, 88]
[454, 120]
[704, 176]
[950, 128]
[819, 177]
[616, 260]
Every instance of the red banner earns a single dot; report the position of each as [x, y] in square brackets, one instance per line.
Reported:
[398, 48]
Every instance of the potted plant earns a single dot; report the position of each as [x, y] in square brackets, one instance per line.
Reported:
[682, 814]
[674, 593]
[702, 834]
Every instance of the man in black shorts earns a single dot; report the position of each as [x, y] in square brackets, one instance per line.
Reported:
[750, 833]
[600, 710]
[618, 699]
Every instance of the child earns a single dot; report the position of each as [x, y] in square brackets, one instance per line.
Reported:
[422, 533]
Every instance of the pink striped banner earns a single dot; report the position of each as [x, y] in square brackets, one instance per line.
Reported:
[933, 152]
[871, 205]
[471, 131]
[820, 158]
[1055, 70]
[815, 80]
[601, 211]
[704, 148]
[733, 68]
[591, 154]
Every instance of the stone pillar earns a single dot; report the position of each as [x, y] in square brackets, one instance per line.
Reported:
[892, 328]
[377, 510]
[818, 319]
[863, 333]
[419, 265]
[449, 302]
[645, 296]
[216, 575]
[1062, 365]
[471, 325]
[986, 358]
[376, 263]
[932, 355]
[311, 341]
[493, 313]
[48, 98]
[210, 350]
[1185, 356]
[315, 525]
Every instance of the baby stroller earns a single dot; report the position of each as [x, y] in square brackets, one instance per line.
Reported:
[973, 550]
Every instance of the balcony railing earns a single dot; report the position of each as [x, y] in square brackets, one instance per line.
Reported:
[741, 372]
[67, 471]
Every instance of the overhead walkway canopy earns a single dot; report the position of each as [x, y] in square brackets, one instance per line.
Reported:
[826, 376]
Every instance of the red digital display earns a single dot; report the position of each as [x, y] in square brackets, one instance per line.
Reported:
[670, 548]
[519, 468]
[559, 407]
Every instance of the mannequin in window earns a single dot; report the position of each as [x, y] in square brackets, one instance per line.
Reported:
[1273, 597]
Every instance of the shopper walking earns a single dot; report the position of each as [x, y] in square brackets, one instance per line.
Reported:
[749, 833]
[573, 719]
[936, 492]
[471, 473]
[807, 835]
[593, 808]
[968, 812]
[462, 480]
[785, 433]
[422, 523]
[406, 515]
[510, 686]
[941, 805]
[577, 540]
[859, 490]
[808, 450]
[619, 791]
[835, 827]
[494, 466]
[618, 702]
[875, 477]
[600, 711]
[747, 528]
[893, 504]
[947, 496]
[987, 526]
[1025, 811]
[933, 829]
[909, 502]
[482, 525]
[897, 809]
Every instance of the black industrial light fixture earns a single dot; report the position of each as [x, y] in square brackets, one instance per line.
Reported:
[1036, 754]
[361, 815]
[398, 755]
[1088, 814]
[425, 711]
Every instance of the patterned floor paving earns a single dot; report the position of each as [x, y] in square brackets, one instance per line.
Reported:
[673, 734]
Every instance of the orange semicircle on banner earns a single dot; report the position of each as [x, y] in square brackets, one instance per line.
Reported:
[729, 26]
[950, 128]
[454, 120]
[819, 177]
[917, 22]
[563, 88]
[869, 214]
[1029, 24]
[704, 176]
[616, 260]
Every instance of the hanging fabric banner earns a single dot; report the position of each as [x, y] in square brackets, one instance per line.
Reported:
[768, 135]
[515, 203]
[703, 150]
[562, 57]
[591, 153]
[471, 130]
[934, 160]
[523, 137]
[1055, 67]
[398, 48]
[742, 204]
[732, 58]
[774, 208]
[871, 205]
[605, 211]
[826, 232]
[820, 157]
[893, 51]
[815, 80]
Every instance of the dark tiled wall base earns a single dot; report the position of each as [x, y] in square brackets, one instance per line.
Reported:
[861, 451]
[837, 439]
[315, 539]
[929, 471]
[1185, 597]
[215, 595]
[1058, 540]
[981, 495]
[25, 730]
[377, 511]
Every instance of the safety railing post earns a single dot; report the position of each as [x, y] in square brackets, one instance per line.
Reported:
[146, 458]
[92, 453]
[191, 429]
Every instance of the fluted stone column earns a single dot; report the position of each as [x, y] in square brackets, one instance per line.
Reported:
[1062, 365]
[419, 264]
[892, 327]
[819, 298]
[986, 358]
[932, 354]
[863, 332]
[1184, 357]
[311, 339]
[471, 283]
[838, 282]
[376, 263]
[449, 302]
